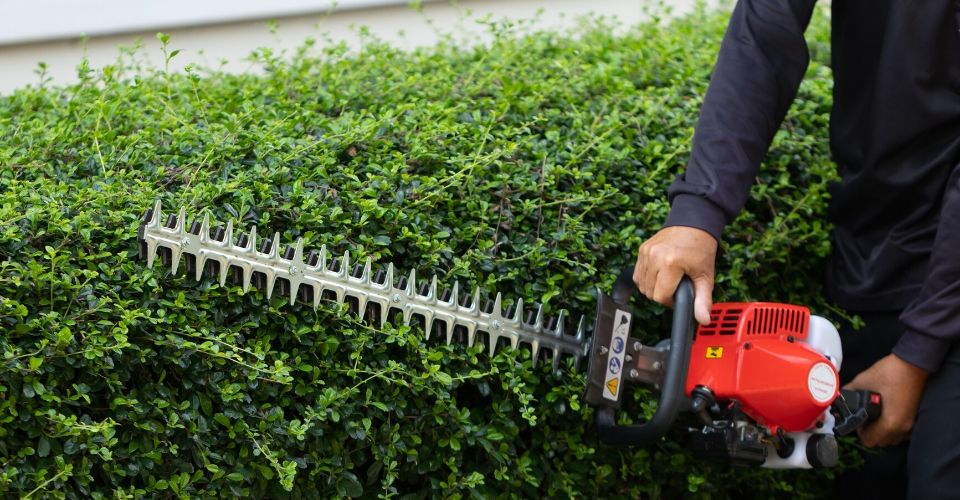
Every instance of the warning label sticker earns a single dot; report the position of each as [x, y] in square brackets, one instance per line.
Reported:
[714, 352]
[613, 385]
[618, 342]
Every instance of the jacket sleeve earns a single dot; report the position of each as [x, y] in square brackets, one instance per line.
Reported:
[932, 321]
[762, 60]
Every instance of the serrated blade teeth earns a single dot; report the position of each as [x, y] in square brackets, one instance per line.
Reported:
[558, 331]
[388, 279]
[224, 269]
[271, 282]
[475, 300]
[361, 304]
[449, 332]
[581, 328]
[201, 261]
[247, 276]
[518, 315]
[275, 246]
[428, 328]
[252, 242]
[294, 289]
[151, 253]
[412, 283]
[345, 265]
[175, 260]
[298, 253]
[322, 261]
[454, 300]
[471, 335]
[155, 219]
[205, 228]
[472, 319]
[181, 224]
[365, 277]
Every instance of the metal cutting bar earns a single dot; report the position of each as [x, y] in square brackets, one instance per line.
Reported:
[174, 236]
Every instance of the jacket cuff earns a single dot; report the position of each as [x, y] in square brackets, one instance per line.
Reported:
[697, 212]
[922, 351]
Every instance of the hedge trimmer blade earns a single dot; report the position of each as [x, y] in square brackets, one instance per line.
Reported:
[312, 279]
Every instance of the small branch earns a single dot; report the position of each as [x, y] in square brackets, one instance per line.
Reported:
[48, 481]
[543, 166]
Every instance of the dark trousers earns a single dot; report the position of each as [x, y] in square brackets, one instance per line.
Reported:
[927, 466]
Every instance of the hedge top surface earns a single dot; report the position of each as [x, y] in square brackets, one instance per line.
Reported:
[534, 164]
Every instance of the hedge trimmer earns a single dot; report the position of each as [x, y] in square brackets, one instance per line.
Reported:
[761, 378]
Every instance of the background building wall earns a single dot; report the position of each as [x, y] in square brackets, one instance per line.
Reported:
[215, 33]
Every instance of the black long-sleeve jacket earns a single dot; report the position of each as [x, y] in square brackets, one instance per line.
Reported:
[895, 136]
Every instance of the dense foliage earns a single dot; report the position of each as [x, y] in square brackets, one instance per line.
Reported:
[534, 164]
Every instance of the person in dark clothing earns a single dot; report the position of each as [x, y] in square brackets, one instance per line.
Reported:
[895, 136]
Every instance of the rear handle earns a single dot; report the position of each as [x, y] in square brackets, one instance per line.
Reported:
[855, 408]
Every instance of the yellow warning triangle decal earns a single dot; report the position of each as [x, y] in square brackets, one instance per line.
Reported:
[612, 385]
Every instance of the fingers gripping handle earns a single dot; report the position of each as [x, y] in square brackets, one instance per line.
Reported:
[675, 376]
[624, 287]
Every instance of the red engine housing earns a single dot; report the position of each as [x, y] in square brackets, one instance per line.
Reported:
[755, 353]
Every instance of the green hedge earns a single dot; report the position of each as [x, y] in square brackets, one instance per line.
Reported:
[534, 164]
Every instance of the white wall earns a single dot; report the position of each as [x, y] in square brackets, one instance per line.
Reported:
[208, 35]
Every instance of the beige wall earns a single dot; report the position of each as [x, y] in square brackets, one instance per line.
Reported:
[208, 45]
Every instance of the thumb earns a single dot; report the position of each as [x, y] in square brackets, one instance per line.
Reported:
[703, 289]
[858, 382]
[863, 380]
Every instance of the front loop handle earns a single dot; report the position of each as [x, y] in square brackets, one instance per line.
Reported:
[675, 369]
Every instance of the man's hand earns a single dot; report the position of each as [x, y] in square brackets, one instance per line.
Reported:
[668, 256]
[900, 384]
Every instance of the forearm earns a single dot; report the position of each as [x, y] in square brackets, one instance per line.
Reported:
[762, 60]
[932, 321]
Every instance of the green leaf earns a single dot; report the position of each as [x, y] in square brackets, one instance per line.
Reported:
[351, 486]
[443, 378]
[43, 447]
[64, 337]
[70, 447]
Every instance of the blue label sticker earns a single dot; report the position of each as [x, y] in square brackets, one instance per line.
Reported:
[615, 366]
[618, 344]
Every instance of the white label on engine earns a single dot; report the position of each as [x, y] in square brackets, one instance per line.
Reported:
[822, 382]
[618, 349]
